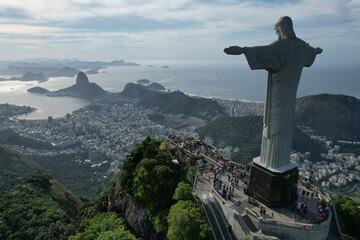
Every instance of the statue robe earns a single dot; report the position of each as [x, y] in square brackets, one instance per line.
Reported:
[284, 60]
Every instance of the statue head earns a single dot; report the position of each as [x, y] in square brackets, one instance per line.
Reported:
[284, 28]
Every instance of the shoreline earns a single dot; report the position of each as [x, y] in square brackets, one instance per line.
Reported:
[223, 98]
[222, 101]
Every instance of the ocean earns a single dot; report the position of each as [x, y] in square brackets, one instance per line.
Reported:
[228, 80]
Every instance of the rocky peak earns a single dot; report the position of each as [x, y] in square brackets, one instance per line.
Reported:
[82, 79]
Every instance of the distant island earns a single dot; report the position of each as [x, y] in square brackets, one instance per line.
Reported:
[156, 86]
[151, 85]
[81, 89]
[42, 70]
[143, 81]
[28, 76]
[39, 74]
[92, 71]
[38, 90]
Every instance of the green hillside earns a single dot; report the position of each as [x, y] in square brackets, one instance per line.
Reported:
[164, 189]
[173, 102]
[8, 136]
[79, 177]
[38, 207]
[245, 133]
[335, 116]
[12, 167]
[180, 103]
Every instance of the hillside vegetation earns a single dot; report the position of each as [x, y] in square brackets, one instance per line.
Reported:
[335, 116]
[12, 167]
[8, 136]
[77, 176]
[40, 208]
[245, 133]
[173, 102]
[349, 211]
[164, 189]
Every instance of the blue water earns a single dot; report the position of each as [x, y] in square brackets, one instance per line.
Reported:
[232, 79]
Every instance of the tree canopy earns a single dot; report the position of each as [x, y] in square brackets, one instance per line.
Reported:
[186, 222]
[349, 211]
[104, 226]
[183, 191]
[36, 209]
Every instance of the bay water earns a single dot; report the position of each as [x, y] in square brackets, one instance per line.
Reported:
[228, 80]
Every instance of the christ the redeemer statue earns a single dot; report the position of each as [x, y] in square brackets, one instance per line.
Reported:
[284, 60]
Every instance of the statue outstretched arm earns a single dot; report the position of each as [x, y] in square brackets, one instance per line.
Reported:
[234, 50]
[260, 57]
[318, 50]
[310, 56]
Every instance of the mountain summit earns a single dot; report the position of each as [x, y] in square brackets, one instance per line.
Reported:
[81, 89]
[82, 80]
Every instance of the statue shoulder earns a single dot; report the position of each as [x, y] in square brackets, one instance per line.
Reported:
[276, 42]
[302, 42]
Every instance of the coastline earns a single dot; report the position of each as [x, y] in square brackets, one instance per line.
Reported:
[231, 106]
[223, 98]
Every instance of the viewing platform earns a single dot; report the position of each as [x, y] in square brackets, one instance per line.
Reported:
[224, 181]
[308, 218]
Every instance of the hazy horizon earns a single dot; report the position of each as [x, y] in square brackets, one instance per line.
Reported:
[176, 30]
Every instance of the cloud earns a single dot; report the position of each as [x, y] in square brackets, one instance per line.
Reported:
[13, 13]
[124, 26]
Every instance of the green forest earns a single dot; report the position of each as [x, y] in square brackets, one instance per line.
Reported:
[165, 190]
[39, 207]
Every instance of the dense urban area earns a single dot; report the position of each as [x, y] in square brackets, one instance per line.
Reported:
[100, 135]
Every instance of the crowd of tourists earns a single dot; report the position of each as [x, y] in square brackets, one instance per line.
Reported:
[322, 211]
[301, 208]
[321, 215]
[225, 189]
[201, 147]
[198, 147]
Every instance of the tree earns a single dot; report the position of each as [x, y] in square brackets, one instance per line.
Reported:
[154, 184]
[148, 148]
[190, 174]
[183, 191]
[104, 226]
[349, 211]
[186, 222]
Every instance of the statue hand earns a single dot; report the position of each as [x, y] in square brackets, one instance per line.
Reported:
[318, 50]
[234, 50]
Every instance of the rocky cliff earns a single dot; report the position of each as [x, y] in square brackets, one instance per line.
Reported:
[133, 213]
[82, 89]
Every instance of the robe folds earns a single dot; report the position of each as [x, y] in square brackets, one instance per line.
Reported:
[284, 60]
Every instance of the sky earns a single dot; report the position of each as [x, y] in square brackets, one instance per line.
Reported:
[171, 29]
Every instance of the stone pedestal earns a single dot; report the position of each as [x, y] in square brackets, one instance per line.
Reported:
[274, 188]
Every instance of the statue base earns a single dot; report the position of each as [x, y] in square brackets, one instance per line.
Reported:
[273, 188]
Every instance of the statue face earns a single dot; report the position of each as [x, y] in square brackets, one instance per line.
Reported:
[277, 30]
[284, 28]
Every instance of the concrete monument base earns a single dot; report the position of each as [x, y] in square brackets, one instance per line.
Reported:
[273, 188]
